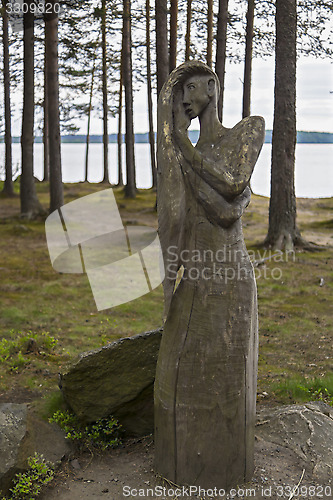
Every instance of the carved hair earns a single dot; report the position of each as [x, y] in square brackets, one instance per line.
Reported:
[170, 181]
[193, 68]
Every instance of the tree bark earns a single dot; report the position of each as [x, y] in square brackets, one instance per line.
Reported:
[162, 54]
[248, 59]
[149, 89]
[120, 127]
[46, 138]
[188, 30]
[210, 16]
[89, 119]
[30, 206]
[130, 188]
[8, 188]
[282, 230]
[221, 45]
[173, 34]
[105, 97]
[51, 40]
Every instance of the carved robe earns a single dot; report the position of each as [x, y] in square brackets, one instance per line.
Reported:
[205, 387]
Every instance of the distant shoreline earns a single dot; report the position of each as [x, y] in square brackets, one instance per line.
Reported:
[302, 138]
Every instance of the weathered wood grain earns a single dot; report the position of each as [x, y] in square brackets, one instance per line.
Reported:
[205, 387]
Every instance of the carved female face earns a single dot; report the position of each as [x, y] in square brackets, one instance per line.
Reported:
[197, 93]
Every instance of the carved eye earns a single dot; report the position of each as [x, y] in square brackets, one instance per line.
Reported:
[191, 86]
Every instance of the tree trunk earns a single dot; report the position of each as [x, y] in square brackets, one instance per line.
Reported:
[221, 45]
[130, 188]
[188, 30]
[105, 97]
[210, 16]
[120, 127]
[173, 34]
[51, 40]
[8, 188]
[282, 230]
[30, 206]
[248, 59]
[149, 89]
[46, 137]
[89, 119]
[162, 54]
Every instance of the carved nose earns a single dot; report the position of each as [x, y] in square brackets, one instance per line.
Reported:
[186, 99]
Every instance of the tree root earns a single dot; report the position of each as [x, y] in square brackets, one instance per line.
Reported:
[286, 242]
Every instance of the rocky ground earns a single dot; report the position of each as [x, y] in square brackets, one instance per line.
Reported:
[293, 458]
[128, 473]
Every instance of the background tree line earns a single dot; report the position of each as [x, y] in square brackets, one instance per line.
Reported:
[89, 57]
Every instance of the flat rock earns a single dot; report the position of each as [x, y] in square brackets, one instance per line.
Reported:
[306, 430]
[117, 379]
[22, 434]
[13, 420]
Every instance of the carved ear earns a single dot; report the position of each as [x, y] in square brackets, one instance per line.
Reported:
[211, 86]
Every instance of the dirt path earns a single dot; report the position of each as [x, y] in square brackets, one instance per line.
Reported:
[128, 472]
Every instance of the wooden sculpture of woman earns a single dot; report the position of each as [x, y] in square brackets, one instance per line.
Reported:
[205, 387]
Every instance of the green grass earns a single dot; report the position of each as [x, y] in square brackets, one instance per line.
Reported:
[37, 299]
[300, 390]
[295, 312]
[15, 351]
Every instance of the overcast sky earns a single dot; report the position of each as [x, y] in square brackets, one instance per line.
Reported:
[314, 101]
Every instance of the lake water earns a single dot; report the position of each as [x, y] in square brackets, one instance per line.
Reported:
[313, 176]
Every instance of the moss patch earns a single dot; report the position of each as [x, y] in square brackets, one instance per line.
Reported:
[295, 299]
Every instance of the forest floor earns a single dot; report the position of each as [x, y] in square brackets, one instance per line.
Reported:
[128, 472]
[47, 319]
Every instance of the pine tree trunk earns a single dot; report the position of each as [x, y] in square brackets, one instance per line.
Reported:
[221, 45]
[30, 206]
[210, 16]
[51, 41]
[8, 188]
[162, 54]
[282, 231]
[46, 138]
[149, 94]
[130, 188]
[120, 127]
[173, 34]
[188, 30]
[88, 124]
[105, 97]
[248, 59]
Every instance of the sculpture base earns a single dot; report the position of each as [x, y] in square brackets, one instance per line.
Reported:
[205, 387]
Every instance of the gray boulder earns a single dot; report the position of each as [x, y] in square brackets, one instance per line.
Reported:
[22, 434]
[118, 380]
[13, 420]
[306, 430]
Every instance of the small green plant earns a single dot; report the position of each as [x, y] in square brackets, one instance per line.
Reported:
[28, 485]
[14, 352]
[103, 434]
[68, 423]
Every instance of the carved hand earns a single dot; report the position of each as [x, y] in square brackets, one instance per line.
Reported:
[218, 209]
[181, 120]
[221, 211]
